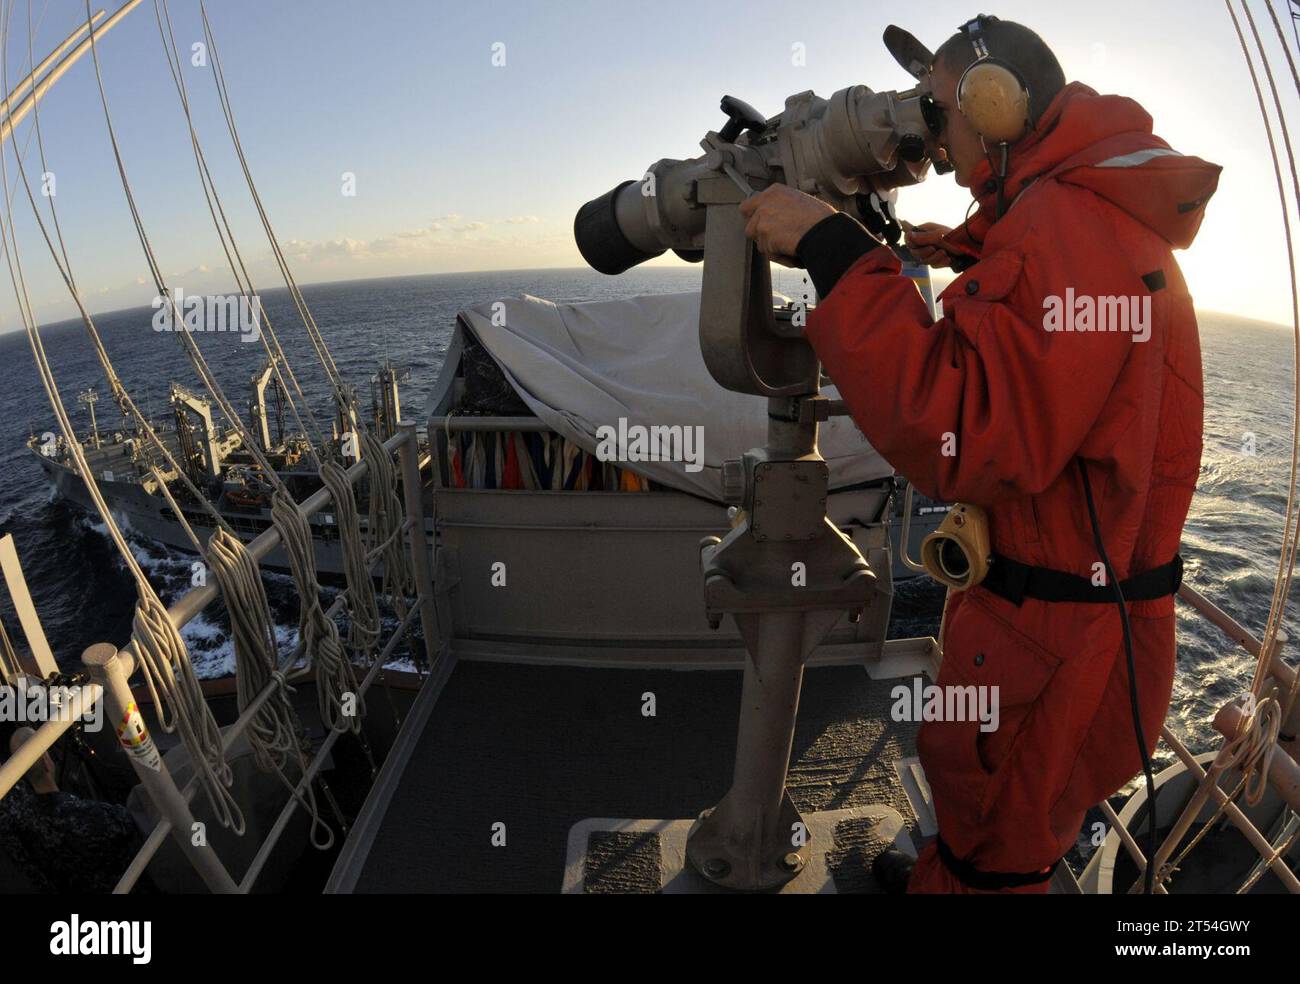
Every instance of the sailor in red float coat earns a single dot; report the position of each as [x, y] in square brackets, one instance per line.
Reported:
[993, 405]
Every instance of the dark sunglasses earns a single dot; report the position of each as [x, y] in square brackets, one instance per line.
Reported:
[932, 115]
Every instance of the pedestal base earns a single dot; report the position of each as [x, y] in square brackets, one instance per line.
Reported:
[609, 856]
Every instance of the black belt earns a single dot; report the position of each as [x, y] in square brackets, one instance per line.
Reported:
[988, 881]
[1015, 582]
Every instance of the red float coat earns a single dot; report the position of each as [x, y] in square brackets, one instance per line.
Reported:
[988, 407]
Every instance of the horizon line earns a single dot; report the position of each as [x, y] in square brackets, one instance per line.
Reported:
[463, 273]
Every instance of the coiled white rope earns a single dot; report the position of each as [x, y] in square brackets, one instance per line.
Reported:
[338, 698]
[363, 612]
[1264, 724]
[168, 671]
[385, 513]
[273, 733]
[386, 517]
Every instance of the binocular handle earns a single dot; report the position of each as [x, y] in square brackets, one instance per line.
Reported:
[741, 116]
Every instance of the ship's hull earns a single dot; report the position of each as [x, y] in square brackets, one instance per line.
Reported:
[146, 515]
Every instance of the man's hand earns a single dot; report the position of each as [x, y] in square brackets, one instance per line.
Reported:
[779, 218]
[927, 245]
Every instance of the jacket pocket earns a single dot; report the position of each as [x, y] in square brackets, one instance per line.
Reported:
[995, 669]
[968, 299]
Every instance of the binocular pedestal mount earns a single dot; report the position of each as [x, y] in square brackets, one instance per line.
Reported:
[786, 574]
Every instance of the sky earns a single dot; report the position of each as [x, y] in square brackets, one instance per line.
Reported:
[460, 164]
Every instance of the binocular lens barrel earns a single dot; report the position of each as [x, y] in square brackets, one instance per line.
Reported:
[600, 238]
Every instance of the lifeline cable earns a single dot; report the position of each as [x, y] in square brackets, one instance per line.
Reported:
[323, 645]
[364, 624]
[1286, 567]
[1295, 689]
[383, 521]
[234, 259]
[163, 658]
[273, 729]
[1258, 728]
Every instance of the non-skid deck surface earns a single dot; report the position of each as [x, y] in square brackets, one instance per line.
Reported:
[539, 748]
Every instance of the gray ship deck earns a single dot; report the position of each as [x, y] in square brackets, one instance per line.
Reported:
[540, 748]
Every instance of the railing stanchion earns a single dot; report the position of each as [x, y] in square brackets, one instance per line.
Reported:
[411, 487]
[105, 667]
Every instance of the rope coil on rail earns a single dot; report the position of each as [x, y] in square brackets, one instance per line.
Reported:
[386, 517]
[274, 732]
[363, 612]
[335, 679]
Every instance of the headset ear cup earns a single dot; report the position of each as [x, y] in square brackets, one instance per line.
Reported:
[995, 99]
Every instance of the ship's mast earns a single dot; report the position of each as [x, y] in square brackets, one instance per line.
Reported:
[89, 398]
[183, 399]
[385, 402]
[257, 407]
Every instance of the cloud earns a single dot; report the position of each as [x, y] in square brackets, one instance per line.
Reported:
[524, 220]
[326, 249]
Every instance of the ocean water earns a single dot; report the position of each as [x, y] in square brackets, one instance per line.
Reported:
[1231, 544]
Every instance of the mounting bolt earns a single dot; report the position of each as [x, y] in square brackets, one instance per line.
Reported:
[717, 868]
[792, 861]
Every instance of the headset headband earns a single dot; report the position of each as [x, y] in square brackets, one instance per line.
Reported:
[975, 31]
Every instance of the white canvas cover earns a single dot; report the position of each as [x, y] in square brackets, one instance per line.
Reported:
[583, 366]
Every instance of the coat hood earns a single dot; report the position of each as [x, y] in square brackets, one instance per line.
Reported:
[1105, 144]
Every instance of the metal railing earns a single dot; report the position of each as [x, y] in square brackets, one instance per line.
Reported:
[111, 669]
[1208, 788]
